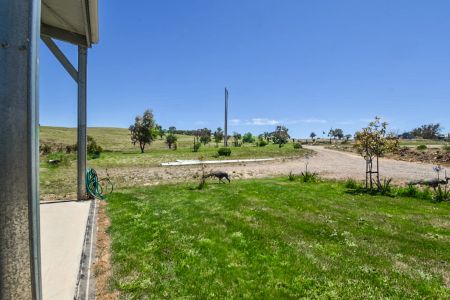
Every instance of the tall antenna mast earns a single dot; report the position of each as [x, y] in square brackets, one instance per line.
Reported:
[225, 138]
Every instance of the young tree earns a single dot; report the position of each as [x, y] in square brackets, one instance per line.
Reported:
[312, 136]
[248, 138]
[205, 135]
[144, 130]
[280, 136]
[218, 135]
[372, 143]
[331, 134]
[171, 139]
[160, 131]
[237, 139]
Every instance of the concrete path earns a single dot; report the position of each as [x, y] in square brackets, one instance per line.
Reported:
[63, 227]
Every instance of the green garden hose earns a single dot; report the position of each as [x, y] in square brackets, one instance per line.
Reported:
[97, 188]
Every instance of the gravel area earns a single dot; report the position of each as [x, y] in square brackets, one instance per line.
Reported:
[328, 163]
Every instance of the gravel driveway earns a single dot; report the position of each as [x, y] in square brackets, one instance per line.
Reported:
[328, 163]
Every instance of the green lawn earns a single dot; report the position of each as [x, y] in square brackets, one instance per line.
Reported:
[276, 239]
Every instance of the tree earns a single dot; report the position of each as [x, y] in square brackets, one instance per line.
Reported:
[280, 136]
[428, 131]
[172, 129]
[331, 134]
[236, 139]
[347, 137]
[338, 133]
[312, 135]
[171, 139]
[267, 136]
[372, 143]
[248, 138]
[205, 135]
[218, 135]
[160, 131]
[144, 130]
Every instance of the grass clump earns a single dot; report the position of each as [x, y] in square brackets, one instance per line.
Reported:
[350, 183]
[446, 148]
[297, 146]
[224, 151]
[422, 147]
[268, 239]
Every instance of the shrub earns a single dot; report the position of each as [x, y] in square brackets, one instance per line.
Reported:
[298, 146]
[441, 194]
[196, 147]
[248, 138]
[71, 148]
[93, 149]
[262, 143]
[421, 147]
[171, 139]
[384, 188]
[352, 184]
[45, 148]
[409, 191]
[224, 151]
[291, 176]
[446, 148]
[308, 177]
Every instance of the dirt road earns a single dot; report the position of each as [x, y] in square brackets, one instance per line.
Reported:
[328, 163]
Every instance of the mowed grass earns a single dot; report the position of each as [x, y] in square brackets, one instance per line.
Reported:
[276, 239]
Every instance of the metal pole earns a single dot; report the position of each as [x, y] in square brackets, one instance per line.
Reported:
[81, 152]
[225, 139]
[20, 276]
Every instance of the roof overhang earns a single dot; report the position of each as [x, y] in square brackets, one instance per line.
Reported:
[73, 21]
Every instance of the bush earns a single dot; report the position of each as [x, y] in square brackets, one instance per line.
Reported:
[308, 177]
[298, 146]
[93, 149]
[196, 147]
[446, 148]
[262, 143]
[384, 188]
[441, 194]
[45, 148]
[224, 151]
[248, 138]
[409, 191]
[291, 176]
[71, 148]
[421, 147]
[352, 184]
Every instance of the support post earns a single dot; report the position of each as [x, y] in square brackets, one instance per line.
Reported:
[81, 133]
[19, 150]
[225, 138]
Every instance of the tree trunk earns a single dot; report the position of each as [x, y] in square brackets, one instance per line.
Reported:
[378, 172]
[142, 146]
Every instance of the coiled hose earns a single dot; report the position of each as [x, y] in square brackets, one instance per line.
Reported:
[97, 188]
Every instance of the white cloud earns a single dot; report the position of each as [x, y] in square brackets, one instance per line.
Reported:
[313, 120]
[236, 122]
[272, 122]
[262, 122]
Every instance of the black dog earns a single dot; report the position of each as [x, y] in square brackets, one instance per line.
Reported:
[220, 175]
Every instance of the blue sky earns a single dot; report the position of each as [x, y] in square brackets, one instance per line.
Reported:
[310, 65]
